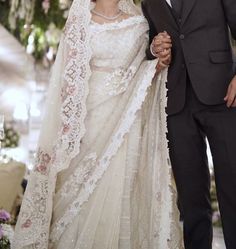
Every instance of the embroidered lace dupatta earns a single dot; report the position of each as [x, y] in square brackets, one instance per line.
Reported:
[64, 127]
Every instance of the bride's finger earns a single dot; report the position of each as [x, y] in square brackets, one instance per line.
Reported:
[162, 47]
[163, 40]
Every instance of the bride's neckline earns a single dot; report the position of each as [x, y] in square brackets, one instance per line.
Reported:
[120, 22]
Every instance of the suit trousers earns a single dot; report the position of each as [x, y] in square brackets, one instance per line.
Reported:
[187, 133]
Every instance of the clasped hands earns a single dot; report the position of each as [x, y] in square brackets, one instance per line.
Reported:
[161, 48]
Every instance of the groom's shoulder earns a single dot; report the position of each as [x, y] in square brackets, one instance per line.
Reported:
[147, 3]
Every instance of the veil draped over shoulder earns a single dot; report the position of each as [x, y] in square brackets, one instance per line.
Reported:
[64, 128]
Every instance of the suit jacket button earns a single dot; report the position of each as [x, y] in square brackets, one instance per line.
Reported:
[182, 37]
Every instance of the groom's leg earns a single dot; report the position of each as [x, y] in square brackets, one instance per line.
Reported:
[189, 161]
[190, 167]
[220, 125]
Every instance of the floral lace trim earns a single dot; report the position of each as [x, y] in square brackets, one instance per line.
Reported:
[75, 89]
[34, 220]
[118, 81]
[166, 200]
[104, 162]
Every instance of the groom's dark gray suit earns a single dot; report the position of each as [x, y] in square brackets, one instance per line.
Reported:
[200, 72]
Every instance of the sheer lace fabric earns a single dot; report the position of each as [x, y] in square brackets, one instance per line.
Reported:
[101, 179]
[118, 213]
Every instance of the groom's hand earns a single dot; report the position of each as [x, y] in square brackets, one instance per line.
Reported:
[230, 98]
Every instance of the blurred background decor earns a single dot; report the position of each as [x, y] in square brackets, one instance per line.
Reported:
[11, 137]
[12, 174]
[36, 24]
[1, 130]
[6, 231]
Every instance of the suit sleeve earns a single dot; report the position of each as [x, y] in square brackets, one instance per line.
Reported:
[152, 33]
[230, 12]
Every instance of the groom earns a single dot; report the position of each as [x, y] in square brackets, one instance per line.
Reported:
[201, 103]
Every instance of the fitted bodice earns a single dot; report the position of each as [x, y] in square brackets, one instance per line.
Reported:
[115, 44]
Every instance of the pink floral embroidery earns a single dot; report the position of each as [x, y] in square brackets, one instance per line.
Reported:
[27, 224]
[41, 168]
[46, 158]
[66, 128]
[71, 89]
[43, 159]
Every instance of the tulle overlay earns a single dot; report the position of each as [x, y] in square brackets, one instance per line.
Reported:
[102, 178]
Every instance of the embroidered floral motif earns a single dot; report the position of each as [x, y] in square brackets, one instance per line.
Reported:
[27, 224]
[42, 161]
[118, 81]
[36, 208]
[100, 165]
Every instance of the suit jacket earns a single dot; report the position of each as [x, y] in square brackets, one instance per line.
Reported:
[201, 47]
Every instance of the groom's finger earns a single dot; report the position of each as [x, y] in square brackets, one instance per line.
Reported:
[227, 94]
[231, 97]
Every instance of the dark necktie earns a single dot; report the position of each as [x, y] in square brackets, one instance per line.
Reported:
[177, 6]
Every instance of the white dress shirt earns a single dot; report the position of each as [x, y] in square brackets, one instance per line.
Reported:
[168, 1]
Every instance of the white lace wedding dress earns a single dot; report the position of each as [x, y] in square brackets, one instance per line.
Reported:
[110, 217]
[118, 214]
[117, 191]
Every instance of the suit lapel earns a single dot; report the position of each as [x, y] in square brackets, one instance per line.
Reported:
[165, 11]
[187, 7]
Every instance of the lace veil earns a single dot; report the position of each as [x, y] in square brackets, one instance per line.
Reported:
[63, 126]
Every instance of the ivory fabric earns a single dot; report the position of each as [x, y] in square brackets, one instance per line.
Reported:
[102, 178]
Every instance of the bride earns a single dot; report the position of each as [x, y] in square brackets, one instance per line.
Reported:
[102, 178]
